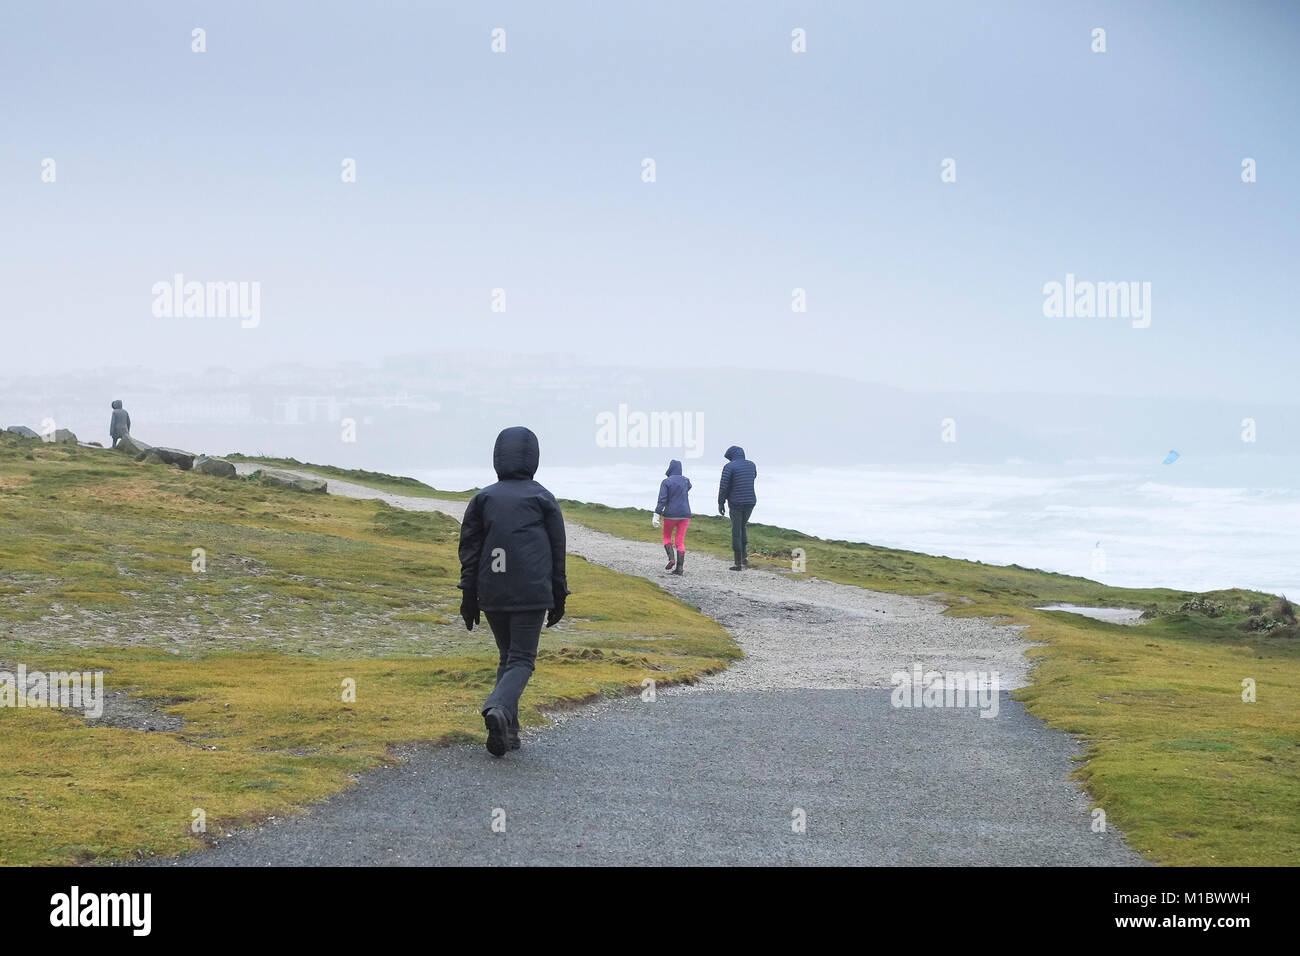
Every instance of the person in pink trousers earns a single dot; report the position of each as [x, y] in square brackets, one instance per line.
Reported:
[675, 507]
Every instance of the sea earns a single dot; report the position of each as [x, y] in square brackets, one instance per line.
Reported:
[1194, 526]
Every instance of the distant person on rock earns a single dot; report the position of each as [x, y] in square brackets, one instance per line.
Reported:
[512, 569]
[119, 426]
[675, 507]
[737, 491]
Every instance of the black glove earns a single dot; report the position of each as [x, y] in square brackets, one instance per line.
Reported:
[469, 610]
[554, 615]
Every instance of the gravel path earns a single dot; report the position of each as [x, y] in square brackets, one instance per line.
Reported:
[796, 632]
[717, 773]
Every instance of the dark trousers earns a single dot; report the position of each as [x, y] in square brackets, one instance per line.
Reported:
[517, 634]
[740, 531]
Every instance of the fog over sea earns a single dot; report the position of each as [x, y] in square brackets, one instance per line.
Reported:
[1184, 525]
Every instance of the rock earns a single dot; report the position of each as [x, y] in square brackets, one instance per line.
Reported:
[285, 479]
[91, 444]
[133, 447]
[215, 466]
[151, 457]
[61, 435]
[184, 460]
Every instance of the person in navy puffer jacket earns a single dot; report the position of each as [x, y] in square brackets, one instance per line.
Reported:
[737, 490]
[675, 506]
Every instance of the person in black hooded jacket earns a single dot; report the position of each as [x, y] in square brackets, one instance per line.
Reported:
[512, 570]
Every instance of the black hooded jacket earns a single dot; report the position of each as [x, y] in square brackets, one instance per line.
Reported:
[512, 538]
[738, 474]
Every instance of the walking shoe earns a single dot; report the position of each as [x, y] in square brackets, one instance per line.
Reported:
[681, 562]
[498, 727]
[672, 557]
[512, 737]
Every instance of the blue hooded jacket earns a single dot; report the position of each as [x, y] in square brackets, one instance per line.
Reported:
[738, 474]
[674, 500]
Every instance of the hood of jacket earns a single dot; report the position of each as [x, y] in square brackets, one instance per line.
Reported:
[734, 453]
[516, 453]
[118, 403]
[674, 468]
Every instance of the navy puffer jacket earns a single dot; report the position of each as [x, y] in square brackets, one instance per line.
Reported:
[674, 498]
[512, 538]
[738, 474]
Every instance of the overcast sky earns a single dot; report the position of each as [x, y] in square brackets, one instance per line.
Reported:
[774, 170]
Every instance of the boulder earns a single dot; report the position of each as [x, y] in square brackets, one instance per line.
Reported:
[285, 479]
[151, 457]
[215, 466]
[64, 437]
[184, 460]
[133, 447]
[22, 431]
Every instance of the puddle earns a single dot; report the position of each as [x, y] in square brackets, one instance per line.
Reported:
[1112, 615]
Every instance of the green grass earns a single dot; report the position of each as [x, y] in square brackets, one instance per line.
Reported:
[1189, 771]
[300, 592]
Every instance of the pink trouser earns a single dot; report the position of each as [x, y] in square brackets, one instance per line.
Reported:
[676, 527]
